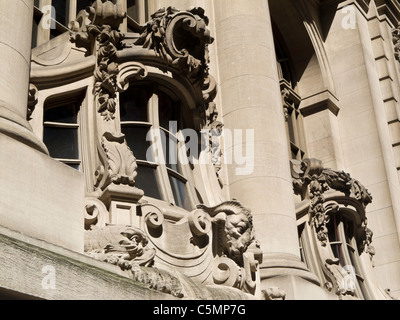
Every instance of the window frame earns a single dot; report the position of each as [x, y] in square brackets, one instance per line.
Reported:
[163, 171]
[67, 99]
[311, 249]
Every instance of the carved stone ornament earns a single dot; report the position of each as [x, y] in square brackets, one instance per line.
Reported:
[119, 165]
[310, 178]
[32, 99]
[274, 293]
[396, 42]
[123, 246]
[312, 181]
[128, 248]
[237, 250]
[96, 29]
[180, 38]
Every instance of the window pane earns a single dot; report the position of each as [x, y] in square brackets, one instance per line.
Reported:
[333, 232]
[147, 181]
[136, 139]
[132, 10]
[168, 111]
[61, 142]
[180, 193]
[62, 114]
[171, 153]
[74, 165]
[61, 11]
[133, 105]
[338, 253]
[82, 4]
[35, 27]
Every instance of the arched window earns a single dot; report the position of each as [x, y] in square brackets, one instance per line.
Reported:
[344, 248]
[152, 119]
[61, 132]
[290, 101]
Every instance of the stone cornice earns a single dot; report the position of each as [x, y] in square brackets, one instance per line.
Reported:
[361, 4]
[390, 9]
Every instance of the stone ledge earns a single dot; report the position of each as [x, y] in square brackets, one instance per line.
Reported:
[79, 277]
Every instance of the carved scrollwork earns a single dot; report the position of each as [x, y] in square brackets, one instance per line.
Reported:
[180, 38]
[199, 222]
[238, 252]
[154, 219]
[226, 272]
[96, 214]
[128, 71]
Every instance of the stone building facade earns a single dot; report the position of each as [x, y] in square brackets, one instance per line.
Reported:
[200, 149]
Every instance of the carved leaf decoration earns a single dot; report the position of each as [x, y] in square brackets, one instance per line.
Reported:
[121, 161]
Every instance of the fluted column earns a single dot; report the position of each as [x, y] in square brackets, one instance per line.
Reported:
[250, 95]
[15, 51]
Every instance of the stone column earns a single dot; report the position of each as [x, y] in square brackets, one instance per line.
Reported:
[40, 197]
[251, 99]
[15, 52]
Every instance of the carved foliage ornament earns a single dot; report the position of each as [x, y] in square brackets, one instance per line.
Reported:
[96, 30]
[119, 164]
[309, 177]
[180, 38]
